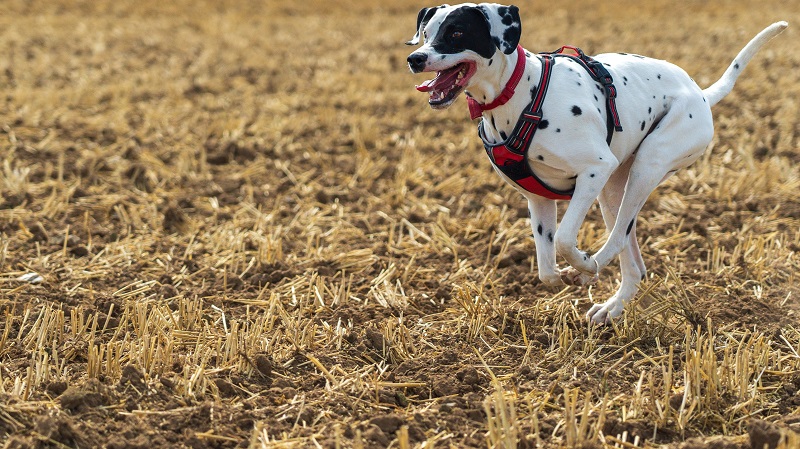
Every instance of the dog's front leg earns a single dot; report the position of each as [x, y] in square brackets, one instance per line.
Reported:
[543, 224]
[588, 186]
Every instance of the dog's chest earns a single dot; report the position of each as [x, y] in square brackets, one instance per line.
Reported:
[573, 109]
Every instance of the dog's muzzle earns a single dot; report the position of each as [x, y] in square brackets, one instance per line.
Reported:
[416, 61]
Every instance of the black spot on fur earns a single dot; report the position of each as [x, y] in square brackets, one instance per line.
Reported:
[630, 227]
[579, 83]
[591, 175]
[443, 56]
[649, 110]
[642, 125]
[658, 76]
[544, 124]
[599, 111]
[475, 34]
[558, 130]
[596, 99]
[539, 229]
[424, 16]
[512, 34]
[493, 125]
[736, 66]
[492, 60]
[576, 111]
[540, 157]
[529, 77]
[690, 115]
[550, 237]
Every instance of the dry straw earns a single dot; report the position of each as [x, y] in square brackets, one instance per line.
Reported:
[230, 233]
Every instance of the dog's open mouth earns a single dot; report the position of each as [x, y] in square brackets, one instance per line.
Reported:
[448, 83]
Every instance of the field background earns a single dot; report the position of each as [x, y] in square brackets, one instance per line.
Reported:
[253, 232]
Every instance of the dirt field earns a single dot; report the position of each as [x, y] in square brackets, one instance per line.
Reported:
[251, 231]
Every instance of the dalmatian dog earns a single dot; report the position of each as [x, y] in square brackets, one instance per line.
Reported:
[665, 117]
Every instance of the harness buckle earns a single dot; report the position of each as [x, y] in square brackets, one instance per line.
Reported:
[531, 117]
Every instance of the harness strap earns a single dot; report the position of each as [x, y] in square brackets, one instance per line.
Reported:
[601, 74]
[510, 157]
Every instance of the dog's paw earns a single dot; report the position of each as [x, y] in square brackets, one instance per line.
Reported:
[572, 276]
[601, 314]
[551, 279]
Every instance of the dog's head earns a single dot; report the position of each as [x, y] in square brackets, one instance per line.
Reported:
[460, 42]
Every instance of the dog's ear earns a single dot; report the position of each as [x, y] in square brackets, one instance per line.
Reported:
[504, 25]
[423, 17]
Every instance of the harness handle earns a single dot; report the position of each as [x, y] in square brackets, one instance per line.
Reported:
[575, 51]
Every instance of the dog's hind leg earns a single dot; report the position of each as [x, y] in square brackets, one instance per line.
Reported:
[610, 201]
[630, 259]
[679, 139]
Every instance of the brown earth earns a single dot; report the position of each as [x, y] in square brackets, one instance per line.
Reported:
[253, 232]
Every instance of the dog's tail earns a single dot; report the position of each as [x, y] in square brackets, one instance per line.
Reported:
[723, 87]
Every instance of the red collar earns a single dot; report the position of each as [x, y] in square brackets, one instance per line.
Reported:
[476, 109]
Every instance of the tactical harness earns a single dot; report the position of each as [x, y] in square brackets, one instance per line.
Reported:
[511, 155]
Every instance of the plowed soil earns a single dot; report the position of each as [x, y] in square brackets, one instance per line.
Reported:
[249, 230]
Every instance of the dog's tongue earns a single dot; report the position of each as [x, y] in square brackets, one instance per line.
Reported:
[426, 86]
[444, 78]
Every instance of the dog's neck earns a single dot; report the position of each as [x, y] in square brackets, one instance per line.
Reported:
[489, 80]
[488, 83]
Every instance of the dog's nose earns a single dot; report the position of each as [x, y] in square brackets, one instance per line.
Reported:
[416, 61]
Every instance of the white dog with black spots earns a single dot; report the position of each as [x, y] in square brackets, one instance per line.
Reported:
[665, 116]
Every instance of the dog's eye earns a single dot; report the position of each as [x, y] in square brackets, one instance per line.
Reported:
[457, 35]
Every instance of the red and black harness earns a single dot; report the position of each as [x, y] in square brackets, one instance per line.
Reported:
[511, 155]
